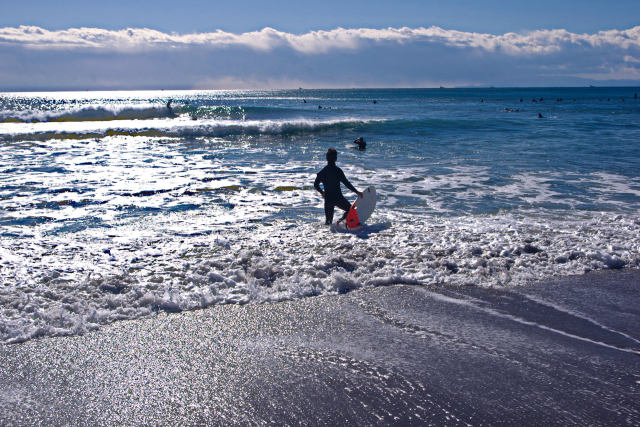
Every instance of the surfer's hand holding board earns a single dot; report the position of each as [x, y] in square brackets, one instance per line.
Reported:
[360, 211]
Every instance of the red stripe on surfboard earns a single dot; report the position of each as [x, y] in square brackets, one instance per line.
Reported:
[352, 217]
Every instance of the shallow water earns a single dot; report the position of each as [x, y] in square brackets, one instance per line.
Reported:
[114, 206]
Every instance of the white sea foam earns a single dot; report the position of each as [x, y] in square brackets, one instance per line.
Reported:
[68, 287]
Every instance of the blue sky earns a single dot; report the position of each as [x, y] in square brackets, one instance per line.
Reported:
[490, 16]
[208, 44]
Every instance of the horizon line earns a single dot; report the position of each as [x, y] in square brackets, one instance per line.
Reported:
[41, 90]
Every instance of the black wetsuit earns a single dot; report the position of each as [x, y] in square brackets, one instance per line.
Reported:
[331, 176]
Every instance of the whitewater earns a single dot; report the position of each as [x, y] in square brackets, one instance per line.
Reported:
[119, 205]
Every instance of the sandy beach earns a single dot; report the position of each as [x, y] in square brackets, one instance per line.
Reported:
[388, 355]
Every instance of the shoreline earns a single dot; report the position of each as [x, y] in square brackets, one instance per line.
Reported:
[561, 351]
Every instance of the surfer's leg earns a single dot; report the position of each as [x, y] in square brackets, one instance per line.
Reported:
[328, 210]
[343, 204]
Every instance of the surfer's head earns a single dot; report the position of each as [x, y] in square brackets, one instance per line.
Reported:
[332, 156]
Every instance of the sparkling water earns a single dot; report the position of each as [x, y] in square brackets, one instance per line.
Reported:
[117, 205]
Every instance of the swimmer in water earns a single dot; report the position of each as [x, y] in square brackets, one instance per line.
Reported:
[361, 143]
[170, 110]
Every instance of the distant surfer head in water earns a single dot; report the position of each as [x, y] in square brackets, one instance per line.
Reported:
[330, 177]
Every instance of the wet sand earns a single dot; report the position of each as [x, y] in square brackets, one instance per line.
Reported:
[561, 352]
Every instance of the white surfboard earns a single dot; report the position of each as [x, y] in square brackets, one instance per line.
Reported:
[362, 209]
[367, 204]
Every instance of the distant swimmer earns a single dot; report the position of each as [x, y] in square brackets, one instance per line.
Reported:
[540, 116]
[319, 107]
[304, 100]
[375, 102]
[330, 177]
[361, 143]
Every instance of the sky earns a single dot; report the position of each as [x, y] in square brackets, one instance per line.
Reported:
[189, 44]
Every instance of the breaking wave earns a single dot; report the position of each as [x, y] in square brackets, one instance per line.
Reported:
[111, 113]
[178, 128]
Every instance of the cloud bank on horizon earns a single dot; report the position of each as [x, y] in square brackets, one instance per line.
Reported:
[33, 58]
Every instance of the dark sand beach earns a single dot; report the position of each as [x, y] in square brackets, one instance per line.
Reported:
[562, 352]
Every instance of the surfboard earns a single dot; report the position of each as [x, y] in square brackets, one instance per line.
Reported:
[362, 208]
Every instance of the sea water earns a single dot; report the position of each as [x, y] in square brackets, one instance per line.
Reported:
[117, 205]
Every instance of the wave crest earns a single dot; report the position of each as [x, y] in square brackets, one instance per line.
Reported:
[101, 113]
[184, 128]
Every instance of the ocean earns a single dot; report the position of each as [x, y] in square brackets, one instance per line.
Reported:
[120, 205]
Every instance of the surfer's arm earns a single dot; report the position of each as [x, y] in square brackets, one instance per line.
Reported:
[347, 184]
[316, 185]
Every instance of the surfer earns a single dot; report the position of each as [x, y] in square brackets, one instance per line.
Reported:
[331, 176]
[360, 142]
[169, 109]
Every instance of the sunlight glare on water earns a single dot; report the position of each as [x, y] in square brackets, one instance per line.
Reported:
[117, 205]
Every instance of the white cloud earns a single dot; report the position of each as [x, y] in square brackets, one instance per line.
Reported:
[315, 42]
[613, 73]
[33, 58]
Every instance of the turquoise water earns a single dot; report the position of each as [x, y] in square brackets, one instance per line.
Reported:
[113, 205]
